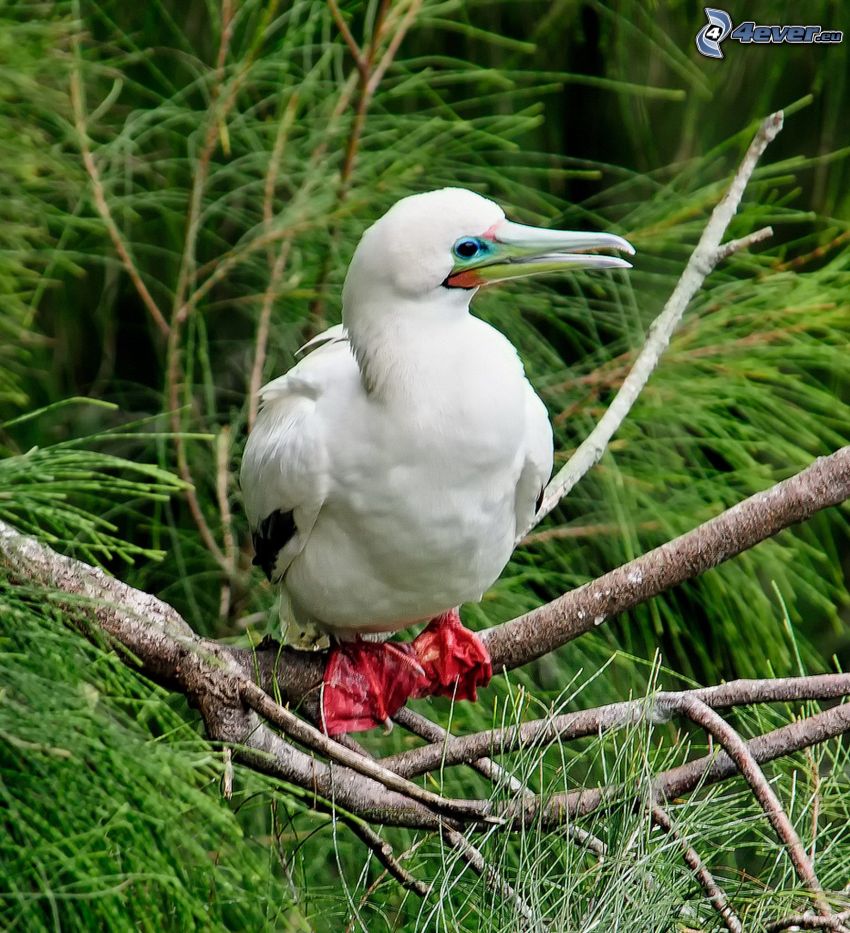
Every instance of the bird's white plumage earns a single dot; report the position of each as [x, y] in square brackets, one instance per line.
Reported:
[409, 447]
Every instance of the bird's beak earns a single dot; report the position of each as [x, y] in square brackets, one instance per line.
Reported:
[515, 250]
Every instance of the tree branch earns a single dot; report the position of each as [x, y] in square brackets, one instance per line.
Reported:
[453, 750]
[809, 922]
[705, 257]
[736, 748]
[127, 261]
[712, 889]
[216, 679]
[823, 484]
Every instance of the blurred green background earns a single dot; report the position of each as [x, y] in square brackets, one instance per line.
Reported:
[236, 177]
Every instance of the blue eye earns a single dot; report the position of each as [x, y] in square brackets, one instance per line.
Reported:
[468, 247]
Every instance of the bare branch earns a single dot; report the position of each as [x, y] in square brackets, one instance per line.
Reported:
[369, 77]
[384, 853]
[367, 894]
[222, 494]
[426, 729]
[809, 922]
[476, 861]
[823, 484]
[736, 748]
[446, 751]
[494, 772]
[714, 768]
[130, 267]
[745, 242]
[347, 35]
[704, 258]
[276, 259]
[713, 891]
[183, 303]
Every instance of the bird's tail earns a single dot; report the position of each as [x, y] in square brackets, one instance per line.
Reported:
[296, 630]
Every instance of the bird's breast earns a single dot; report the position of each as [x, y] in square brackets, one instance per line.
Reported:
[420, 516]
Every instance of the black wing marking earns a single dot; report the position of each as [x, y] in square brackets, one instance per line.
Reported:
[271, 536]
[539, 500]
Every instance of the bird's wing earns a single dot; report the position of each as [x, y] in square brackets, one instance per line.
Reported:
[285, 467]
[335, 334]
[537, 467]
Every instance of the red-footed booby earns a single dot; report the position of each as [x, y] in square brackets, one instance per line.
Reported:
[391, 469]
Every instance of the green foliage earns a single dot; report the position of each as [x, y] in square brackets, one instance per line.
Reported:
[590, 115]
[67, 495]
[36, 181]
[112, 816]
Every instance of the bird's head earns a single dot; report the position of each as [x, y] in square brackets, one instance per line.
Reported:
[447, 243]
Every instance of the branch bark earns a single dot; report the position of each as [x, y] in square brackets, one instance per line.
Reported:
[705, 257]
[823, 484]
[216, 679]
[448, 751]
[714, 893]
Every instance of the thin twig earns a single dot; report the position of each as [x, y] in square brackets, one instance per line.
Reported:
[476, 861]
[227, 775]
[263, 327]
[277, 261]
[222, 492]
[384, 853]
[745, 242]
[100, 200]
[185, 284]
[185, 275]
[814, 771]
[562, 532]
[445, 751]
[704, 258]
[346, 34]
[495, 773]
[809, 922]
[258, 700]
[367, 894]
[394, 45]
[436, 734]
[713, 891]
[736, 748]
[369, 77]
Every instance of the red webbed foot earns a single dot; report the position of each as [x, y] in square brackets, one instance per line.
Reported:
[454, 659]
[366, 683]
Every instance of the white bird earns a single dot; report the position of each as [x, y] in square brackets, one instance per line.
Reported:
[390, 471]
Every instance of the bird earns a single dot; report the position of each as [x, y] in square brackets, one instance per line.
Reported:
[391, 470]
